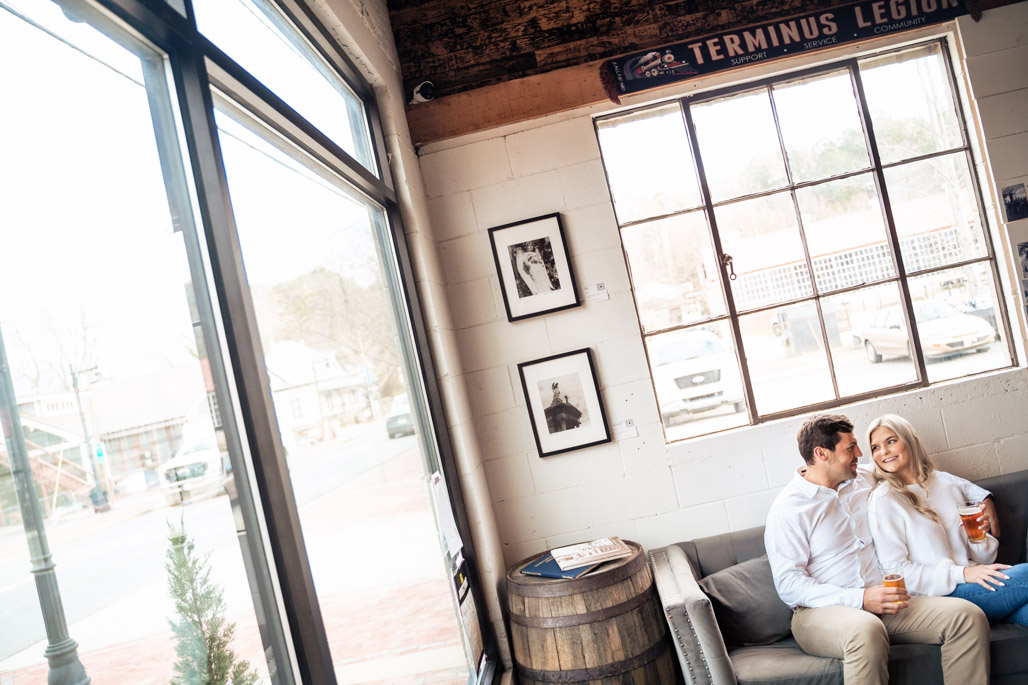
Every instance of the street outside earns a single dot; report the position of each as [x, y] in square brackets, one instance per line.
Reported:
[373, 549]
[785, 380]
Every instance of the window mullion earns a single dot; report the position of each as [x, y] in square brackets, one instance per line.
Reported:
[733, 316]
[890, 224]
[979, 200]
[247, 367]
[803, 242]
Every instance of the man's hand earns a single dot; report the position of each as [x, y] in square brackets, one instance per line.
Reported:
[879, 599]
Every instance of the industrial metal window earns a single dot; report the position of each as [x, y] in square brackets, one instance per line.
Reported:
[805, 241]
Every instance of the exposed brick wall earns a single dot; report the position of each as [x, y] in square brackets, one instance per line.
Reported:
[462, 45]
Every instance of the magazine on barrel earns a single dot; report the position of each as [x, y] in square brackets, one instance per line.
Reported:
[546, 567]
[586, 553]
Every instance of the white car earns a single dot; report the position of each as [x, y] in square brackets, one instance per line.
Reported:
[197, 469]
[944, 332]
[400, 421]
[693, 371]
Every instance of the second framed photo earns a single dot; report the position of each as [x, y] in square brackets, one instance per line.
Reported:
[564, 402]
[533, 265]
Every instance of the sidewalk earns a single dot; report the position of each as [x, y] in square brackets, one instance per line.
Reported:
[402, 633]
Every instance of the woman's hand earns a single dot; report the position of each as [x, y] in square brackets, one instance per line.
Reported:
[989, 512]
[984, 574]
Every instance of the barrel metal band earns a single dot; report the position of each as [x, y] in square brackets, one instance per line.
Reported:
[563, 588]
[581, 675]
[646, 595]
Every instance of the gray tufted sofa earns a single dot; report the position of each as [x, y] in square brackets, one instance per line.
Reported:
[680, 568]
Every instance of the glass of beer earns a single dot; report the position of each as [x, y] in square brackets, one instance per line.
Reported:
[894, 580]
[969, 513]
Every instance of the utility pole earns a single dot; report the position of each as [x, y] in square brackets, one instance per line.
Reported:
[97, 495]
[61, 651]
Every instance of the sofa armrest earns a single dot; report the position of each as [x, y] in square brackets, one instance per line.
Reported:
[690, 617]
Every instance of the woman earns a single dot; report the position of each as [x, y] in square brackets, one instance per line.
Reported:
[917, 531]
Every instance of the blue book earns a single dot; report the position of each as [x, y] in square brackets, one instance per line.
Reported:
[546, 567]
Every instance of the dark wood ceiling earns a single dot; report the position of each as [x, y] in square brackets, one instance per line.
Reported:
[462, 46]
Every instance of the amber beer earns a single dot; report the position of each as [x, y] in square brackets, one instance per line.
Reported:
[894, 580]
[969, 513]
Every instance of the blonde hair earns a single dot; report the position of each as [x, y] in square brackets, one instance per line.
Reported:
[919, 459]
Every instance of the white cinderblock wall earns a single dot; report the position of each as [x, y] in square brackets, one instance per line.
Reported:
[640, 488]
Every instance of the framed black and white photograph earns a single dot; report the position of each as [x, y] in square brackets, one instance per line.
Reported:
[1015, 200]
[535, 271]
[564, 402]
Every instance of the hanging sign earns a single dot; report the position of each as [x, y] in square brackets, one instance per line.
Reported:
[781, 38]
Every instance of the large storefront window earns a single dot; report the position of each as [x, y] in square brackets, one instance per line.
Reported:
[805, 242]
[219, 460]
[341, 398]
[134, 476]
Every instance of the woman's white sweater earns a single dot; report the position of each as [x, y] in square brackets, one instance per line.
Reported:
[931, 556]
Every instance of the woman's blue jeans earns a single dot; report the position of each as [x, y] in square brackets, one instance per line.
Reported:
[1008, 604]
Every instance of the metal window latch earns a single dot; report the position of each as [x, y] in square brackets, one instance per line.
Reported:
[726, 260]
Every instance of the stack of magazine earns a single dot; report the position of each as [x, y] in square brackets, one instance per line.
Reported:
[575, 561]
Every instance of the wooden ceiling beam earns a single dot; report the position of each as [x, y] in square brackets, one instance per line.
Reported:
[505, 103]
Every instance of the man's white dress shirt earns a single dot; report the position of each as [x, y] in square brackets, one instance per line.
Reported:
[819, 543]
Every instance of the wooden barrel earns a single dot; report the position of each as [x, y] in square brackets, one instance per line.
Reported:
[605, 628]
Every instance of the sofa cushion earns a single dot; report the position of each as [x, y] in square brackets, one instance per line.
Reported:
[784, 663]
[1009, 649]
[747, 608]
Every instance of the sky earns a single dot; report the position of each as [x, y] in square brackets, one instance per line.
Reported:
[87, 247]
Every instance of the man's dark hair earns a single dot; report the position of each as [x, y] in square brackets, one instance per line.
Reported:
[821, 430]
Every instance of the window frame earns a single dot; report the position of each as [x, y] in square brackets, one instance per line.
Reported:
[194, 66]
[851, 66]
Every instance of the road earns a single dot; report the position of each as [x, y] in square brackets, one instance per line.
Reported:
[112, 564]
[781, 382]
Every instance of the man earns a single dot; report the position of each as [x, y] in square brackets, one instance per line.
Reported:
[824, 566]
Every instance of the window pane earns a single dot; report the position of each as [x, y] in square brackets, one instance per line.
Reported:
[110, 368]
[910, 102]
[764, 241]
[935, 211]
[867, 354]
[343, 409]
[820, 126]
[739, 145]
[673, 271]
[696, 376]
[845, 232]
[955, 312]
[791, 369]
[256, 35]
[649, 163]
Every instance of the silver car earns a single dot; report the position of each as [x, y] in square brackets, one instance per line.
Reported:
[944, 331]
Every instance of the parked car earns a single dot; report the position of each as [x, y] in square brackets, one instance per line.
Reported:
[944, 331]
[197, 469]
[984, 307]
[693, 371]
[400, 421]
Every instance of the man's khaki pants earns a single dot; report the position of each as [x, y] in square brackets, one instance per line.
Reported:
[861, 639]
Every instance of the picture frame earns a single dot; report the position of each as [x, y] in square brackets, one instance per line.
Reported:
[532, 263]
[564, 402]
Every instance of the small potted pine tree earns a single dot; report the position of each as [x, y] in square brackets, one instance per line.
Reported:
[203, 635]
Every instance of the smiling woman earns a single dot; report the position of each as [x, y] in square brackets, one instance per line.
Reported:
[915, 517]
